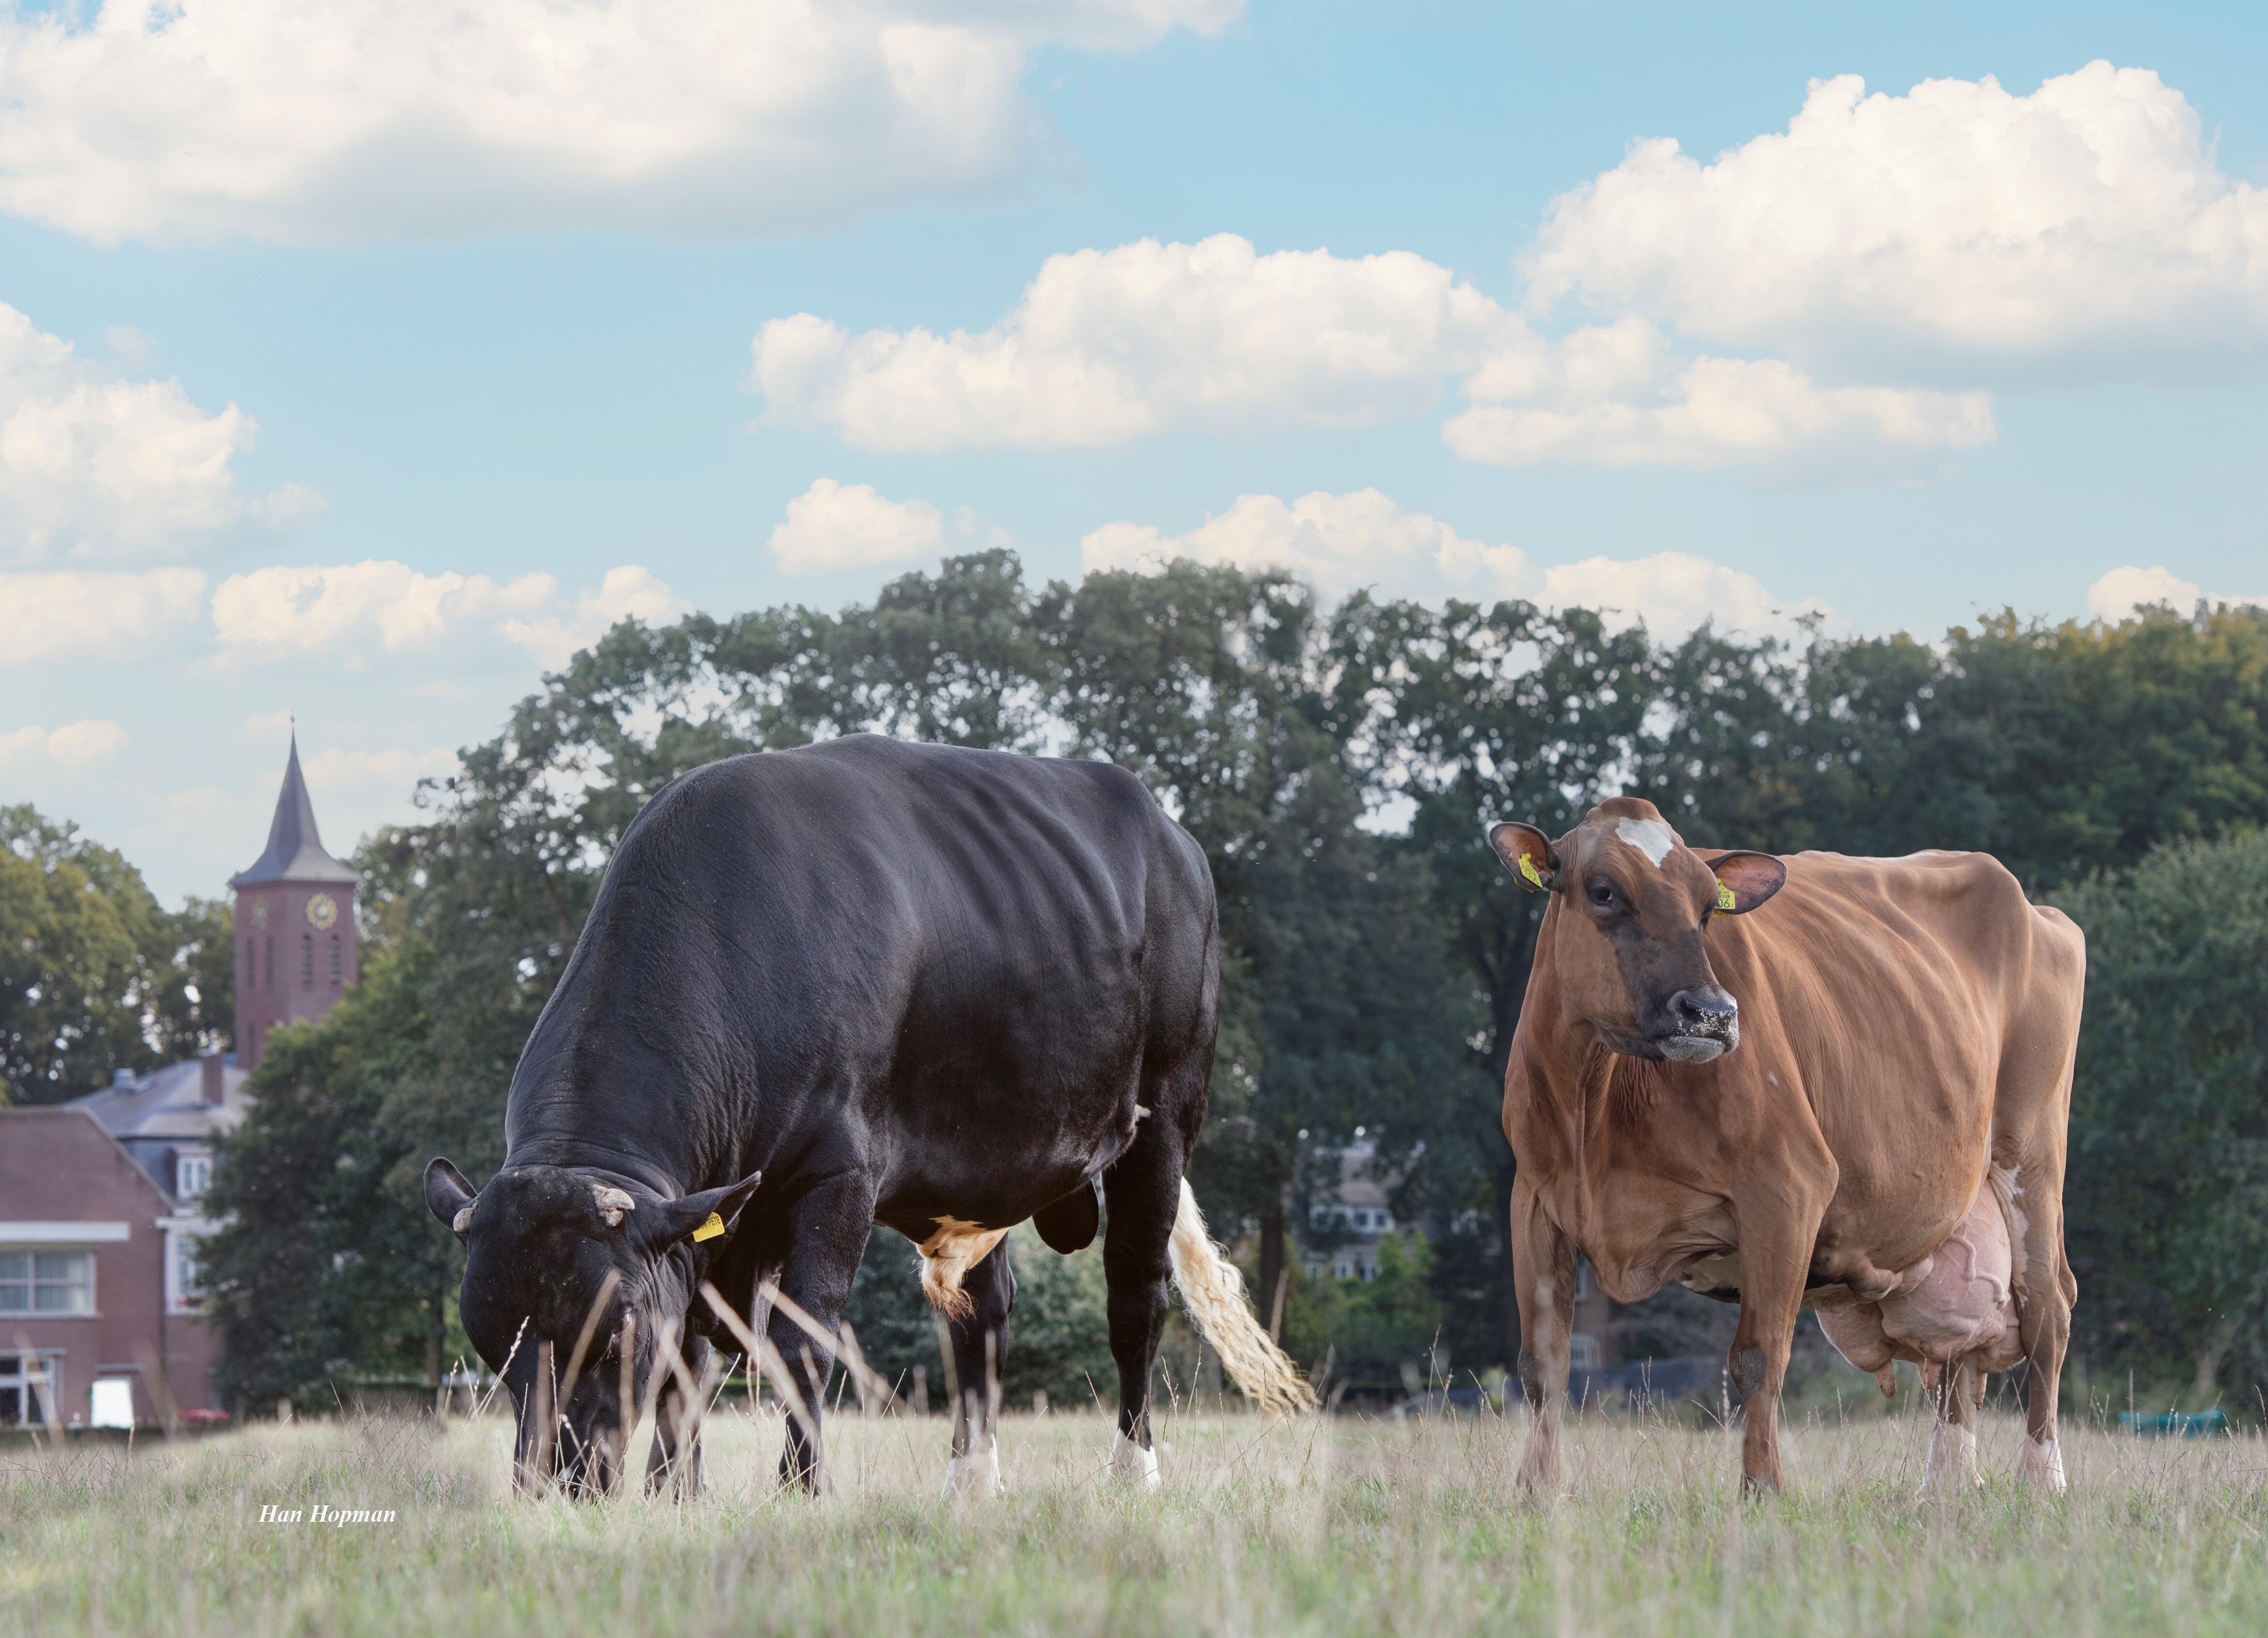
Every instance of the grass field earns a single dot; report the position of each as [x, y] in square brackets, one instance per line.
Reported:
[1343, 1526]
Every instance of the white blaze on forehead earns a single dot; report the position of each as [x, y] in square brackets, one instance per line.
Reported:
[1651, 837]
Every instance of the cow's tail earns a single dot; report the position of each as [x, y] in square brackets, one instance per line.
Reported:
[1214, 1293]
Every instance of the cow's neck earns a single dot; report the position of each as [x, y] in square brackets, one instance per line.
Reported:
[591, 1094]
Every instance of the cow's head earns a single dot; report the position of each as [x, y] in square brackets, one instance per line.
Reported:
[1627, 944]
[573, 1280]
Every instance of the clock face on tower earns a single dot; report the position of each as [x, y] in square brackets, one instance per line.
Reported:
[322, 910]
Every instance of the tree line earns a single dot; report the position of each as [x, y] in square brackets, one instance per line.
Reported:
[1336, 763]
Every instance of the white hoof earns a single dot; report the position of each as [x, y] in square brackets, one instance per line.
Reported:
[1130, 1462]
[1952, 1459]
[977, 1473]
[2040, 1465]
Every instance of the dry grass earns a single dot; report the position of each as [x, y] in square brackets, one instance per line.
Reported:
[1340, 1526]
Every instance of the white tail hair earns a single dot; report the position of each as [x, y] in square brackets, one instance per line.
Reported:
[1214, 1293]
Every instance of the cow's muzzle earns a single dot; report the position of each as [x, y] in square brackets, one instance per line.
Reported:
[1705, 1023]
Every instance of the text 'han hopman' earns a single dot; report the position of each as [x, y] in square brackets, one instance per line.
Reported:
[339, 1517]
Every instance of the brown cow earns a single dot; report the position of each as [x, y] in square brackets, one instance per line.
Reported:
[1854, 1102]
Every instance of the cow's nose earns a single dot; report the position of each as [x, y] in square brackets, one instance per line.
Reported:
[1705, 1010]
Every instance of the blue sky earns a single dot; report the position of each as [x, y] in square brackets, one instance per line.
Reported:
[503, 329]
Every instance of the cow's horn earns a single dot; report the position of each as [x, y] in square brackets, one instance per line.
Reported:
[463, 1220]
[613, 1202]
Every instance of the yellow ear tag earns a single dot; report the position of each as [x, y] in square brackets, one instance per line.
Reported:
[710, 1230]
[1725, 899]
[1528, 869]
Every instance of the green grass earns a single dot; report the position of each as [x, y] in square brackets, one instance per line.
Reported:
[1343, 1526]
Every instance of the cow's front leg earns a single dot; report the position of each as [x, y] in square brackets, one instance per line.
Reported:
[826, 1235]
[1543, 1268]
[1774, 1264]
[674, 1459]
[980, 1357]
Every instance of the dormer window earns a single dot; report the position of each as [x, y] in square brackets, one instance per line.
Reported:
[192, 1175]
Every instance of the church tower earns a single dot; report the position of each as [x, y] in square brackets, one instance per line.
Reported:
[294, 942]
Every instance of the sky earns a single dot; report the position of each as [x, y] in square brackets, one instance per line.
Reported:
[360, 363]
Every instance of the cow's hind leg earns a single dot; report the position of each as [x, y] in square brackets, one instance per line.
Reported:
[1543, 1268]
[2045, 1292]
[1953, 1442]
[1143, 1190]
[980, 1355]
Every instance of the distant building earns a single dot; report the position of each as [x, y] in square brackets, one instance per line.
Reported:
[101, 1200]
[294, 924]
[1349, 1214]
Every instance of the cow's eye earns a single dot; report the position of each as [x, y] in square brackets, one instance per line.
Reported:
[1602, 895]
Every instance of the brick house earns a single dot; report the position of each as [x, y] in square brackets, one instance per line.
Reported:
[95, 1325]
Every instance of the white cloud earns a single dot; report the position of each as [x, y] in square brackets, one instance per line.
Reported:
[831, 525]
[2087, 219]
[629, 592]
[1335, 542]
[105, 467]
[2118, 593]
[74, 745]
[340, 610]
[1339, 542]
[362, 118]
[1111, 346]
[61, 614]
[334, 769]
[1724, 412]
[344, 611]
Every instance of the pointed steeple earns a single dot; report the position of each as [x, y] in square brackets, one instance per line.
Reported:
[295, 848]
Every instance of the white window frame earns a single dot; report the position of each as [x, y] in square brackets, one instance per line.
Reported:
[37, 1249]
[189, 1162]
[181, 1233]
[1584, 1353]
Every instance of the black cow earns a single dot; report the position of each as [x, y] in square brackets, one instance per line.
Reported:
[857, 982]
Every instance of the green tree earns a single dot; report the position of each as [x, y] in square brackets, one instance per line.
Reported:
[2168, 1193]
[86, 960]
[325, 1268]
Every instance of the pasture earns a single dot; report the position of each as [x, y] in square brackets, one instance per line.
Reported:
[1339, 1525]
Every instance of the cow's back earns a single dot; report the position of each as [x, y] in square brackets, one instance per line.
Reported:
[938, 947]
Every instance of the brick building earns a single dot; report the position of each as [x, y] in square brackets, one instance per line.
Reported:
[101, 1200]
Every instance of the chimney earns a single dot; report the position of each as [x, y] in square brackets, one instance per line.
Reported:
[209, 1068]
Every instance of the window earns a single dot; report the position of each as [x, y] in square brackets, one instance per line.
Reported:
[185, 1272]
[27, 1389]
[192, 1175]
[272, 960]
[47, 1282]
[1584, 1353]
[336, 969]
[306, 961]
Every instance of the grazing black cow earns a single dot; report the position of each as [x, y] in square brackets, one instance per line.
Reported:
[857, 982]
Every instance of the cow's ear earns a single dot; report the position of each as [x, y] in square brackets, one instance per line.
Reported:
[1526, 853]
[705, 1216]
[1745, 880]
[449, 1196]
